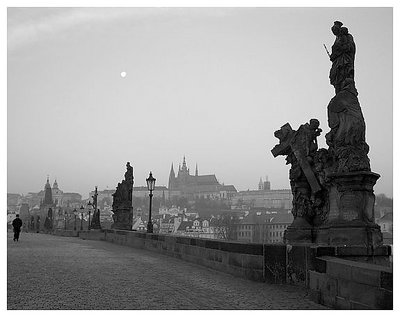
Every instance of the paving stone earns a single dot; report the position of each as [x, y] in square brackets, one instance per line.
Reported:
[53, 272]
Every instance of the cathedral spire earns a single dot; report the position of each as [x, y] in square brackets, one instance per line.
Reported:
[184, 166]
[197, 171]
[48, 197]
[171, 177]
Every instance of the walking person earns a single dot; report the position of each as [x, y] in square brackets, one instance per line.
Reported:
[17, 224]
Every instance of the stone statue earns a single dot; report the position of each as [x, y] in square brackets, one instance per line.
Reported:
[346, 139]
[300, 148]
[95, 223]
[122, 201]
[333, 199]
[48, 222]
[342, 56]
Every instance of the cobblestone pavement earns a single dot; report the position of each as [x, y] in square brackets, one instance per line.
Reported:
[51, 272]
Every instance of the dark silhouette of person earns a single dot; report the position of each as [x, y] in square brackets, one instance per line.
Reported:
[17, 224]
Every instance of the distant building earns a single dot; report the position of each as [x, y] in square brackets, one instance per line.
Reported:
[197, 186]
[263, 227]
[264, 197]
[386, 223]
[264, 185]
[197, 228]
[143, 192]
[43, 218]
[170, 225]
[58, 196]
[104, 197]
[173, 211]
[13, 202]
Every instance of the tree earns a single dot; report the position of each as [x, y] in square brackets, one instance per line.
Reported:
[225, 226]
[383, 201]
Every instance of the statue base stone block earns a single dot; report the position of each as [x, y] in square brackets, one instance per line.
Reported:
[350, 220]
[296, 235]
[123, 219]
[347, 235]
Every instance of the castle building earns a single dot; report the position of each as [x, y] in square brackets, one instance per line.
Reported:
[197, 186]
[264, 197]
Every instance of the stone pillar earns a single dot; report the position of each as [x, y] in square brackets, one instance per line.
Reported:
[350, 221]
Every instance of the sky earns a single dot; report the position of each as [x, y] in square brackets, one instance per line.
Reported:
[211, 84]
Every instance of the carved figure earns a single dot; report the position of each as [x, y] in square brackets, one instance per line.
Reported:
[300, 148]
[346, 139]
[122, 201]
[342, 56]
[95, 223]
[333, 199]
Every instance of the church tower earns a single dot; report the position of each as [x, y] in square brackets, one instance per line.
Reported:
[183, 172]
[171, 181]
[55, 185]
[267, 184]
[184, 166]
[48, 197]
[260, 184]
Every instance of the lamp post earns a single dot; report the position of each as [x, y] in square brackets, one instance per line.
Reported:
[82, 208]
[151, 183]
[89, 206]
[75, 212]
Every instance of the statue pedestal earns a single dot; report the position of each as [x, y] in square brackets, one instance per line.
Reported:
[350, 221]
[123, 218]
[296, 235]
[300, 231]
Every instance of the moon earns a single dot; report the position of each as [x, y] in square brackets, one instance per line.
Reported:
[123, 74]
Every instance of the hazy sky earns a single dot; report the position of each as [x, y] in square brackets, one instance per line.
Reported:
[209, 83]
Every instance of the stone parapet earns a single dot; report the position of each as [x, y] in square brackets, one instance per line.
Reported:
[238, 259]
[66, 233]
[344, 284]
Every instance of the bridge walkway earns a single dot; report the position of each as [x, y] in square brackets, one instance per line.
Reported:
[53, 272]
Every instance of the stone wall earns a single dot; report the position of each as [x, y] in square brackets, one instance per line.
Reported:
[238, 259]
[345, 284]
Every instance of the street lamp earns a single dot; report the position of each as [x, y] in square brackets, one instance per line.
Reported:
[151, 183]
[82, 208]
[75, 213]
[89, 206]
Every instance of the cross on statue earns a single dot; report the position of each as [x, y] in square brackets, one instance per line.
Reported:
[292, 141]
